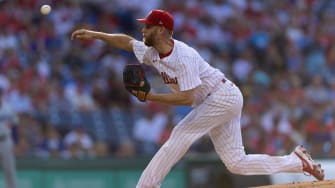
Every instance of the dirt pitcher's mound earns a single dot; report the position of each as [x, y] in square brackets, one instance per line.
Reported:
[318, 184]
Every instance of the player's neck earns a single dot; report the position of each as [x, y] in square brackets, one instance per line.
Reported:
[165, 48]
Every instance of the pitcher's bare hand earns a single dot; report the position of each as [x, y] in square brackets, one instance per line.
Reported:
[82, 34]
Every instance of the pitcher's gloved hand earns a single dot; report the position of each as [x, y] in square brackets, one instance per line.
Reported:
[135, 81]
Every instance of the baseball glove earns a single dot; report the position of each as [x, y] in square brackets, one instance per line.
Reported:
[135, 81]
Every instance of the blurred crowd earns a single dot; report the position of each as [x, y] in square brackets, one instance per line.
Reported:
[69, 98]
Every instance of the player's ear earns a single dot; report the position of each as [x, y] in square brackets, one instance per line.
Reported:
[165, 31]
[161, 29]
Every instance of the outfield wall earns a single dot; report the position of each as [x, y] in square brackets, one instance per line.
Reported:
[104, 173]
[191, 172]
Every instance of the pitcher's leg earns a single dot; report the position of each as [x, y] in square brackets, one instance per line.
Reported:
[227, 140]
[258, 164]
[191, 128]
[166, 157]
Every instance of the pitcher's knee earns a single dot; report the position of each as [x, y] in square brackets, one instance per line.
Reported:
[237, 168]
[234, 169]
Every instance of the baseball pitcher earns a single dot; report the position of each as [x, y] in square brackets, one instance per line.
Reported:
[216, 101]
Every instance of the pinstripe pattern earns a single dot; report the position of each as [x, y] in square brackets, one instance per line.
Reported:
[217, 114]
[185, 64]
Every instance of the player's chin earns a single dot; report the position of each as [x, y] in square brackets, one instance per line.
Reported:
[147, 42]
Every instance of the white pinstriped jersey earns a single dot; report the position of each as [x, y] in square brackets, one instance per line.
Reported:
[219, 117]
[182, 70]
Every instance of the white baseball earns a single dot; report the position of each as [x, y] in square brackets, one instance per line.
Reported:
[45, 9]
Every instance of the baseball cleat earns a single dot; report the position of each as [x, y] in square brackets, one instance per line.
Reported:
[309, 165]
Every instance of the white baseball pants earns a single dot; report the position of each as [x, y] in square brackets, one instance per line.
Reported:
[219, 115]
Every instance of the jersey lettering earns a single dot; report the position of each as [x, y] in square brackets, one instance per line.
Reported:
[168, 80]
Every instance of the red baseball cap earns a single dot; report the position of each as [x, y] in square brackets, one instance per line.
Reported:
[158, 17]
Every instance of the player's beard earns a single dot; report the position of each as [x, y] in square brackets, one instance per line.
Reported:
[149, 40]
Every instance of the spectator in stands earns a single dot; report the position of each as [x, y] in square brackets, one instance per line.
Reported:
[78, 142]
[148, 129]
[259, 44]
[126, 149]
[52, 144]
[80, 96]
[100, 150]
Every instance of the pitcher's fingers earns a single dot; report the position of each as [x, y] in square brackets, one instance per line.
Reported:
[75, 35]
